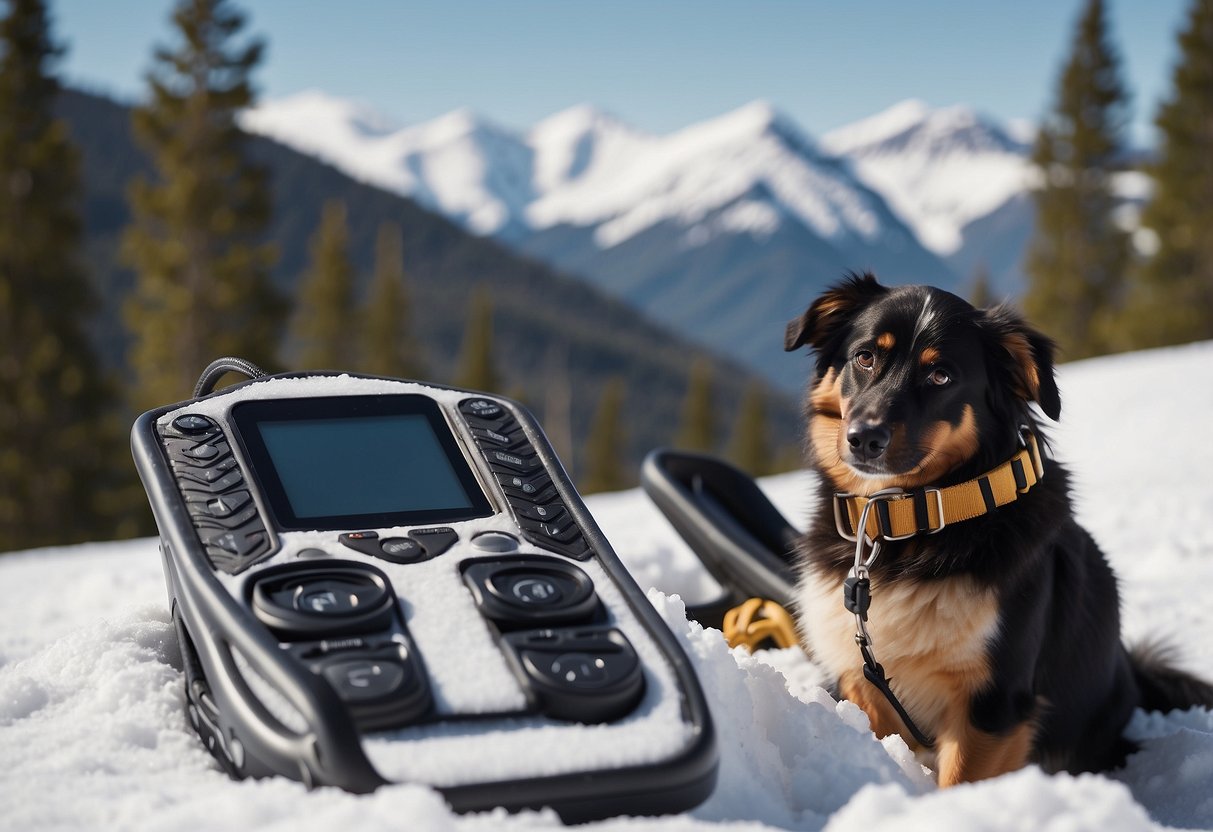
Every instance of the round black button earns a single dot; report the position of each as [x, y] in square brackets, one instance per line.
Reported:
[402, 550]
[193, 423]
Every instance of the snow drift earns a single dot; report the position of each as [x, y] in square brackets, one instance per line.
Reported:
[93, 736]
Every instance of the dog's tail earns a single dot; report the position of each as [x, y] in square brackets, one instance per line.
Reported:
[1163, 686]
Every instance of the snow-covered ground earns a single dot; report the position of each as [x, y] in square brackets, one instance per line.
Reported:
[92, 733]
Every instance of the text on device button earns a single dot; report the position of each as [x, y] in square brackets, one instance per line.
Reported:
[402, 550]
[482, 409]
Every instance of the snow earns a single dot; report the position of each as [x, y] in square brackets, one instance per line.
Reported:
[93, 736]
[585, 168]
[940, 169]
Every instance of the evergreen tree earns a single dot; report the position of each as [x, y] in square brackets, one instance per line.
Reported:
[60, 443]
[604, 447]
[698, 426]
[1078, 255]
[750, 444]
[1173, 297]
[203, 287]
[476, 370]
[322, 334]
[390, 347]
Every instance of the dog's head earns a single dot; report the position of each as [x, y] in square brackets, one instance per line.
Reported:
[913, 386]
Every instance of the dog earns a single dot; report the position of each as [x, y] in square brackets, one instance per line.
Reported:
[999, 631]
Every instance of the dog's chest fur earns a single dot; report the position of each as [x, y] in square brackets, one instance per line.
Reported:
[932, 637]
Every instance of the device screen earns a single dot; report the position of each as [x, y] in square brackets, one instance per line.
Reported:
[358, 461]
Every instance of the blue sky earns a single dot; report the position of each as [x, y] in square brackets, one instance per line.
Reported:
[657, 65]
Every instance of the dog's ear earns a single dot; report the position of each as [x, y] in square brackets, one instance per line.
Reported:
[1027, 355]
[834, 308]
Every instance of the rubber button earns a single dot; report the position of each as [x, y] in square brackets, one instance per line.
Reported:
[193, 423]
[401, 550]
[495, 542]
[365, 680]
[436, 541]
[482, 409]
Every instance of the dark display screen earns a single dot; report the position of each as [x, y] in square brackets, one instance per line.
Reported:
[358, 462]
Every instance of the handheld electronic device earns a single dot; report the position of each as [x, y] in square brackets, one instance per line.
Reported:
[378, 581]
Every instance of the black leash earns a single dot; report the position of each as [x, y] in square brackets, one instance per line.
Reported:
[857, 597]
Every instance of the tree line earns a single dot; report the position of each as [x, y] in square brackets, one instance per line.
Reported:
[198, 248]
[1096, 283]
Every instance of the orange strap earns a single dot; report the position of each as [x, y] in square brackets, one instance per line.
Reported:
[918, 511]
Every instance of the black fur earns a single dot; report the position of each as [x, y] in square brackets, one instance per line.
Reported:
[1057, 658]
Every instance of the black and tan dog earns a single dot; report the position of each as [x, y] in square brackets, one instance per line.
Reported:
[996, 616]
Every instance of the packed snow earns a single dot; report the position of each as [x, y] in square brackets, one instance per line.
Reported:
[93, 734]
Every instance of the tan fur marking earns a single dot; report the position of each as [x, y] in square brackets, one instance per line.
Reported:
[826, 397]
[886, 341]
[932, 639]
[928, 356]
[967, 754]
[947, 446]
[1021, 351]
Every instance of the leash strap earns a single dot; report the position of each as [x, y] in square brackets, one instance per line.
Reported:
[895, 515]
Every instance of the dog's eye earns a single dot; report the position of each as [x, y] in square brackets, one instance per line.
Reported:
[938, 377]
[865, 359]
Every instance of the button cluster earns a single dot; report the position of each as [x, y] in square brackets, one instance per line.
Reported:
[339, 618]
[421, 544]
[557, 636]
[543, 518]
[215, 492]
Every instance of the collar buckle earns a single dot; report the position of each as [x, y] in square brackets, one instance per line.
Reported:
[842, 516]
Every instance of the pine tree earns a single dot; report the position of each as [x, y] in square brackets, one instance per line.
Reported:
[1173, 297]
[750, 444]
[390, 347]
[1078, 256]
[604, 445]
[203, 287]
[322, 334]
[698, 426]
[476, 370]
[60, 442]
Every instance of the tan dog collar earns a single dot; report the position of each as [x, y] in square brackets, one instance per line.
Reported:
[899, 514]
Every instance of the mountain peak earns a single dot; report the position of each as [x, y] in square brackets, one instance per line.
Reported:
[755, 117]
[929, 130]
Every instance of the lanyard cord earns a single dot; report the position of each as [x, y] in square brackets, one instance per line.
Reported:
[857, 597]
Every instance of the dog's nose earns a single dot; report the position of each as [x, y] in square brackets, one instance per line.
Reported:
[868, 439]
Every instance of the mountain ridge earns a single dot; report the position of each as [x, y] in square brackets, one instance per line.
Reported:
[551, 330]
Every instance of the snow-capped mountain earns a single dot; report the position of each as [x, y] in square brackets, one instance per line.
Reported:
[724, 229]
[582, 167]
[940, 169]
